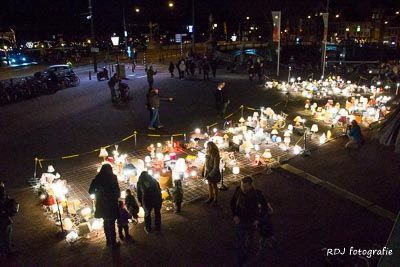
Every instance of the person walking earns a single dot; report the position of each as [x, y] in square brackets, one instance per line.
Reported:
[212, 172]
[153, 104]
[171, 69]
[206, 69]
[8, 208]
[214, 66]
[150, 76]
[111, 84]
[182, 69]
[221, 102]
[149, 195]
[106, 190]
[246, 204]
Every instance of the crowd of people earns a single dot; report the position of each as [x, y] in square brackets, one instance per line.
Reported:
[250, 209]
[187, 67]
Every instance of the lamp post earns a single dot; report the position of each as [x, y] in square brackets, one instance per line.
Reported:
[92, 35]
[288, 77]
[115, 42]
[397, 87]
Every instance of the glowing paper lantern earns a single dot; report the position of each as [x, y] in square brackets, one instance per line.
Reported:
[314, 128]
[67, 223]
[274, 132]
[322, 139]
[71, 237]
[236, 170]
[296, 149]
[267, 154]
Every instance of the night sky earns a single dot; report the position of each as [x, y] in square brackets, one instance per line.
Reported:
[41, 18]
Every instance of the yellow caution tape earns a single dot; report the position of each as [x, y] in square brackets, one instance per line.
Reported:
[128, 137]
[153, 135]
[70, 156]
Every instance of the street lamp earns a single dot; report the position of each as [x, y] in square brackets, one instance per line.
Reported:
[247, 18]
[115, 42]
[170, 4]
[137, 10]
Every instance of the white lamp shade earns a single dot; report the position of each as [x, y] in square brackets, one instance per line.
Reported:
[290, 127]
[50, 168]
[267, 154]
[103, 153]
[314, 128]
[255, 114]
[274, 132]
[236, 170]
[242, 120]
[115, 40]
[278, 139]
[287, 133]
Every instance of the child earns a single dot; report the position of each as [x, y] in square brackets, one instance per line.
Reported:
[177, 195]
[266, 228]
[123, 221]
[131, 204]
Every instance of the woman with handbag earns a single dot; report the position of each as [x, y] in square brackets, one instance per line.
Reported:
[212, 172]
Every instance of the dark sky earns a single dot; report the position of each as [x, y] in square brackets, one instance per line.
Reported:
[41, 18]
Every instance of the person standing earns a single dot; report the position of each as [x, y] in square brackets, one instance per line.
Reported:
[171, 69]
[106, 190]
[153, 104]
[206, 69]
[182, 69]
[8, 208]
[214, 66]
[123, 221]
[150, 76]
[221, 102]
[212, 172]
[246, 205]
[149, 196]
[131, 204]
[111, 84]
[251, 72]
[177, 195]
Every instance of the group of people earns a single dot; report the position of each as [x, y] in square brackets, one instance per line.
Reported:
[188, 66]
[250, 209]
[255, 67]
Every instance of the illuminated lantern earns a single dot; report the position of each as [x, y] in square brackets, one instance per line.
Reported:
[314, 128]
[328, 134]
[322, 139]
[296, 149]
[67, 223]
[267, 154]
[96, 224]
[236, 170]
[71, 237]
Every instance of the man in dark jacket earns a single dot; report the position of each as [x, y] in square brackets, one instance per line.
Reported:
[206, 69]
[8, 208]
[246, 205]
[150, 76]
[106, 190]
[153, 104]
[149, 196]
[221, 102]
[214, 66]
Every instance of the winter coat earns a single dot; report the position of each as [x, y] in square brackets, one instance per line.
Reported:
[148, 191]
[219, 97]
[150, 74]
[247, 207]
[355, 133]
[153, 100]
[211, 171]
[177, 194]
[106, 189]
[124, 216]
[132, 205]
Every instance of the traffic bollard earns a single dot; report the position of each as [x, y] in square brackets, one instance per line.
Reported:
[90, 75]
